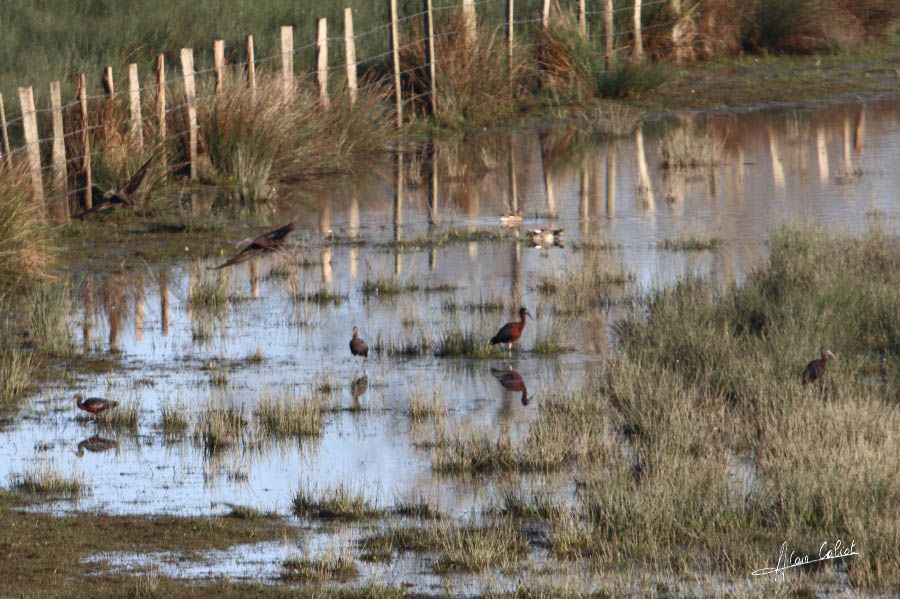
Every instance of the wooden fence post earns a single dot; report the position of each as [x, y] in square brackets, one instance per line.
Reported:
[161, 97]
[190, 92]
[251, 64]
[322, 62]
[109, 84]
[582, 18]
[545, 14]
[134, 95]
[29, 121]
[350, 54]
[59, 140]
[608, 32]
[395, 47]
[430, 57]
[81, 84]
[470, 18]
[510, 32]
[638, 50]
[219, 64]
[4, 131]
[287, 61]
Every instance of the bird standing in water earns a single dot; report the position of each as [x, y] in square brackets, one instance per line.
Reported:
[511, 331]
[94, 405]
[358, 347]
[816, 369]
[264, 244]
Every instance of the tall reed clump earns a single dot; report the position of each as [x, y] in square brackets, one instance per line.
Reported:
[50, 306]
[27, 252]
[254, 140]
[45, 481]
[285, 414]
[573, 68]
[477, 83]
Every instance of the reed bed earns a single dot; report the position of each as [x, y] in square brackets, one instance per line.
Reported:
[45, 481]
[337, 565]
[286, 414]
[338, 503]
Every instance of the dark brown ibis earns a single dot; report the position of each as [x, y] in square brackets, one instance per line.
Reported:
[511, 381]
[94, 405]
[96, 444]
[511, 331]
[816, 369]
[124, 196]
[358, 347]
[264, 244]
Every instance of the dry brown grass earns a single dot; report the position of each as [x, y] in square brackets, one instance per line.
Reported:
[26, 240]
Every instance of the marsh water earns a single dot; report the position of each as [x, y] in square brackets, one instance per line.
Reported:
[832, 166]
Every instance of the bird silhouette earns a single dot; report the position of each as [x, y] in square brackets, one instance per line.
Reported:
[511, 331]
[266, 243]
[94, 405]
[358, 347]
[123, 196]
[816, 369]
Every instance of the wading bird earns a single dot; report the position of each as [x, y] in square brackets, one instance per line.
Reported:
[358, 347]
[264, 244]
[511, 331]
[816, 369]
[94, 405]
[124, 196]
[511, 381]
[96, 444]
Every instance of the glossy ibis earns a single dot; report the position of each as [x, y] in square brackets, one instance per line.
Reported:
[358, 347]
[94, 405]
[511, 381]
[266, 243]
[816, 369]
[511, 331]
[96, 444]
[124, 196]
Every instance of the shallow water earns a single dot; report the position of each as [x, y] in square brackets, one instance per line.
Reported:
[834, 167]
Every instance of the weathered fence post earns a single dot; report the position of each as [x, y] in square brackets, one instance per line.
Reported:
[219, 64]
[109, 84]
[582, 18]
[822, 152]
[513, 181]
[81, 84]
[161, 97]
[322, 61]
[134, 95]
[59, 139]
[190, 93]
[287, 61]
[470, 20]
[510, 32]
[29, 121]
[545, 14]
[395, 48]
[4, 131]
[429, 31]
[638, 50]
[610, 183]
[608, 32]
[251, 65]
[350, 54]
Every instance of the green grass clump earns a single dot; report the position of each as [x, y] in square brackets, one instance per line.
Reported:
[123, 416]
[220, 427]
[47, 482]
[338, 503]
[693, 242]
[387, 286]
[287, 415]
[458, 342]
[427, 405]
[516, 503]
[587, 286]
[687, 148]
[50, 307]
[16, 369]
[339, 566]
[173, 421]
[477, 549]
[323, 296]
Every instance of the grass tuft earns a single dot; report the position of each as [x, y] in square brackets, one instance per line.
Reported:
[47, 482]
[338, 503]
[287, 415]
[692, 242]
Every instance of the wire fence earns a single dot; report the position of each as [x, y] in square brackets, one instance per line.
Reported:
[138, 112]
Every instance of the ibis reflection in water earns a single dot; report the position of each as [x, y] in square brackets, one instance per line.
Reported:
[511, 380]
[358, 388]
[96, 444]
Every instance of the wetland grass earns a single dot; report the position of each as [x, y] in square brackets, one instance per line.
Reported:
[124, 416]
[16, 370]
[691, 148]
[210, 292]
[519, 504]
[338, 565]
[692, 242]
[587, 286]
[548, 340]
[45, 481]
[27, 254]
[424, 405]
[285, 414]
[324, 295]
[50, 306]
[337, 503]
[172, 420]
[220, 426]
[472, 549]
[456, 341]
